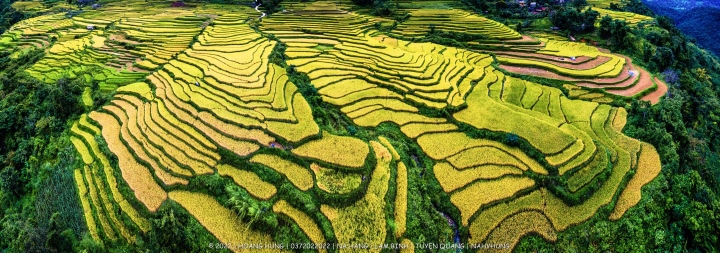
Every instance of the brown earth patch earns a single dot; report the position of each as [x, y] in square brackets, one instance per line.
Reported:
[644, 83]
[553, 58]
[122, 38]
[591, 64]
[654, 97]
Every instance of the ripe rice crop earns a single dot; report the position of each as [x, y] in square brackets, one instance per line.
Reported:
[484, 113]
[490, 218]
[440, 146]
[648, 168]
[175, 120]
[401, 199]
[389, 146]
[95, 201]
[303, 129]
[179, 134]
[374, 118]
[137, 176]
[631, 18]
[577, 110]
[109, 176]
[298, 176]
[199, 162]
[587, 152]
[474, 196]
[235, 131]
[512, 229]
[340, 150]
[413, 130]
[85, 123]
[141, 88]
[248, 180]
[364, 221]
[305, 222]
[335, 181]
[82, 149]
[407, 246]
[484, 155]
[567, 155]
[513, 91]
[87, 211]
[452, 179]
[220, 221]
[109, 209]
[588, 172]
[392, 104]
[146, 145]
[620, 119]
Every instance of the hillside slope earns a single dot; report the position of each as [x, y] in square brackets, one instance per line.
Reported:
[701, 22]
[200, 126]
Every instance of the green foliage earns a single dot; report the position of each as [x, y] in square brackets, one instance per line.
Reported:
[257, 214]
[377, 7]
[175, 230]
[616, 31]
[700, 23]
[271, 6]
[9, 16]
[579, 3]
[574, 20]
[40, 212]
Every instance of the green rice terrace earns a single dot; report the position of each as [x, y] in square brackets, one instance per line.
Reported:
[323, 127]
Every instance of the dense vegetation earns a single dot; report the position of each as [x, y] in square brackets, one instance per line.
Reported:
[574, 20]
[700, 23]
[39, 211]
[680, 210]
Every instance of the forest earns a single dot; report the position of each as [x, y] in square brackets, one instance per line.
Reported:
[699, 23]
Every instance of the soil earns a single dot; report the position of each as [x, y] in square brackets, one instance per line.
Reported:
[654, 97]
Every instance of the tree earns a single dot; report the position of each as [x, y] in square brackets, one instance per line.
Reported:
[579, 3]
[606, 27]
[271, 6]
[619, 31]
[575, 21]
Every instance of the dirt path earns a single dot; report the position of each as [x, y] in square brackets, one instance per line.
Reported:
[121, 38]
[608, 82]
[591, 64]
[554, 59]
[522, 40]
[644, 83]
[654, 97]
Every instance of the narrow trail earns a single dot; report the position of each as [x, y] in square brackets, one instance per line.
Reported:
[257, 9]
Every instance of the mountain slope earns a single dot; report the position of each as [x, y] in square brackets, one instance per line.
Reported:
[700, 21]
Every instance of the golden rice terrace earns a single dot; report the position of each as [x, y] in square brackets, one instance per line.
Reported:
[333, 123]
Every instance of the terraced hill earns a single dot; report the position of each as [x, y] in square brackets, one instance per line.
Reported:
[212, 90]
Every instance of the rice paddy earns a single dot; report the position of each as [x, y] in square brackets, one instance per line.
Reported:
[196, 95]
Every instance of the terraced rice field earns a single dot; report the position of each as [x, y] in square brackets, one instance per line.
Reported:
[630, 18]
[365, 217]
[602, 3]
[585, 66]
[198, 91]
[422, 21]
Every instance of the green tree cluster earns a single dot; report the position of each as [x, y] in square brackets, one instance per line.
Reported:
[574, 20]
[377, 7]
[615, 30]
